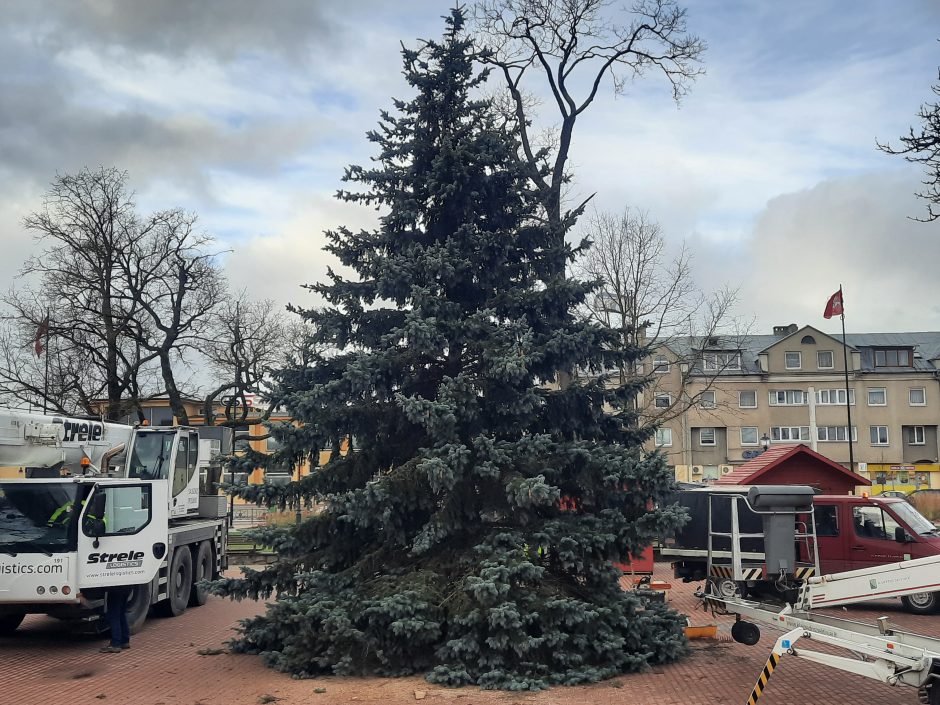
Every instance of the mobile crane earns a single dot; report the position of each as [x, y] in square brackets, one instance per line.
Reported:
[101, 505]
[878, 651]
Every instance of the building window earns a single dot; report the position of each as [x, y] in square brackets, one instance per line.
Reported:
[715, 361]
[747, 399]
[787, 397]
[835, 433]
[662, 401]
[663, 437]
[915, 435]
[789, 433]
[706, 436]
[824, 359]
[829, 397]
[808, 340]
[749, 436]
[877, 396]
[660, 365]
[879, 435]
[893, 357]
[917, 396]
[793, 360]
[707, 400]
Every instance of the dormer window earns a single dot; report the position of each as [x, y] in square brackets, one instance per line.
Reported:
[893, 357]
[713, 361]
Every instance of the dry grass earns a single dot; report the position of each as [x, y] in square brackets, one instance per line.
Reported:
[927, 503]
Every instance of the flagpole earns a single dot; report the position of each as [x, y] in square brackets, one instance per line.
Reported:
[848, 398]
[45, 382]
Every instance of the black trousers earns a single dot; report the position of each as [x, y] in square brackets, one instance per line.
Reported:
[117, 614]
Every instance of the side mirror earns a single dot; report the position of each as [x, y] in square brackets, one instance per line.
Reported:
[901, 535]
[94, 527]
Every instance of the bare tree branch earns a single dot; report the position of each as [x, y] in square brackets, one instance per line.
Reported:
[652, 301]
[923, 147]
[576, 45]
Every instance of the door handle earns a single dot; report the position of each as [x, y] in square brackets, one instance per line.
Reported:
[858, 548]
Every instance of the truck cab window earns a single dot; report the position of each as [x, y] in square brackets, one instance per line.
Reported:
[39, 517]
[150, 459]
[185, 462]
[827, 522]
[117, 510]
[871, 522]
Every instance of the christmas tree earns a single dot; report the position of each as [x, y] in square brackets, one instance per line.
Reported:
[468, 531]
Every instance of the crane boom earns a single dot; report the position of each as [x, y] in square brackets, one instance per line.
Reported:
[38, 440]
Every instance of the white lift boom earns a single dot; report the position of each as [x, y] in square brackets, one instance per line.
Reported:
[879, 651]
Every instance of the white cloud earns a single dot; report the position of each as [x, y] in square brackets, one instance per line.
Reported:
[852, 231]
[275, 265]
[247, 113]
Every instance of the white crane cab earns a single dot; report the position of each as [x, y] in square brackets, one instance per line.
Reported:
[170, 454]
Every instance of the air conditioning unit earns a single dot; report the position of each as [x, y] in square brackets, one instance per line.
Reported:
[725, 469]
[696, 469]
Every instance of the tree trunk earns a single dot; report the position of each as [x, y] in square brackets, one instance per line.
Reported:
[172, 391]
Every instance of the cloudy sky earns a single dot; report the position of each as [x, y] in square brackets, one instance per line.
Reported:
[247, 112]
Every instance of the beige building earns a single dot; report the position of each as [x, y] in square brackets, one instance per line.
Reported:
[723, 401]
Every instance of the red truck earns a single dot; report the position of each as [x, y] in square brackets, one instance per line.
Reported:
[851, 532]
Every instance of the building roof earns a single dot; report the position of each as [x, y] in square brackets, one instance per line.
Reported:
[750, 472]
[926, 346]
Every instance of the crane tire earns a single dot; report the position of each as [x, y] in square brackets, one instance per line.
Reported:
[179, 583]
[203, 569]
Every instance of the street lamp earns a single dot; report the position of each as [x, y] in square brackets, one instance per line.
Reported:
[764, 442]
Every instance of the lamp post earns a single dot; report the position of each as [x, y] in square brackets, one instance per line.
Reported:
[764, 443]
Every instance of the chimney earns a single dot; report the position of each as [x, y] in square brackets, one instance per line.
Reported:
[784, 331]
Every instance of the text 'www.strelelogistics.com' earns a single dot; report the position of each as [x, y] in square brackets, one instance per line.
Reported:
[16, 569]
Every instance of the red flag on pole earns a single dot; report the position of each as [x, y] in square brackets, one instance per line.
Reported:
[834, 305]
[41, 333]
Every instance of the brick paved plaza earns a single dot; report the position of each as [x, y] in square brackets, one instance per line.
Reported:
[43, 665]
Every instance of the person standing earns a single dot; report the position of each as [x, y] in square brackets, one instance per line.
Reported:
[117, 598]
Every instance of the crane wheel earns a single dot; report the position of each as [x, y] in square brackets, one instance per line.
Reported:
[179, 583]
[203, 569]
[138, 606]
[9, 623]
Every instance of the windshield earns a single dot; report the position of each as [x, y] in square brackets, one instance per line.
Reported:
[39, 517]
[150, 458]
[914, 519]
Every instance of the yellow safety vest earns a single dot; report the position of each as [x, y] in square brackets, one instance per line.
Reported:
[64, 513]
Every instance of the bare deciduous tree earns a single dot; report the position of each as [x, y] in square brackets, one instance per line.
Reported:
[129, 302]
[175, 284]
[248, 338]
[87, 223]
[652, 301]
[575, 46]
[923, 147]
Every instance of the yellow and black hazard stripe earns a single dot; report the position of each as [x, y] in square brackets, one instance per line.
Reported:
[804, 573]
[761, 683]
[726, 571]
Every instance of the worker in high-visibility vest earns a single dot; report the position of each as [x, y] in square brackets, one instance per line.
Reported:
[61, 516]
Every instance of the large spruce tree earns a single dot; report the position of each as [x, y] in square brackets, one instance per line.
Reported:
[469, 531]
